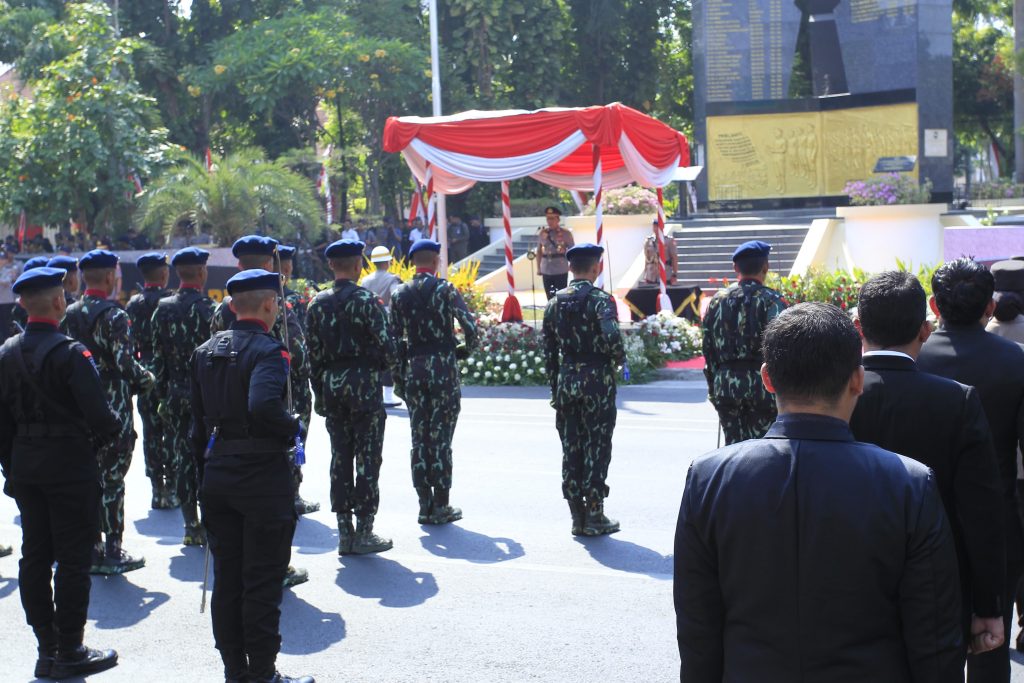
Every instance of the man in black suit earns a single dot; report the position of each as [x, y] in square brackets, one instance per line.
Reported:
[806, 556]
[962, 350]
[898, 400]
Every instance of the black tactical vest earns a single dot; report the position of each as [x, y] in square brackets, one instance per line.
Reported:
[81, 325]
[577, 345]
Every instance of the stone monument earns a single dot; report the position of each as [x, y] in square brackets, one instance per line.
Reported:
[795, 99]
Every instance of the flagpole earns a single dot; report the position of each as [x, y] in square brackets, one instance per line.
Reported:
[435, 89]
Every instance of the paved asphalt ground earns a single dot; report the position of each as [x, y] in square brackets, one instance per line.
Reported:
[506, 594]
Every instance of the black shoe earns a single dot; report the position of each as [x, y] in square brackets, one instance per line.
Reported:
[46, 639]
[577, 509]
[278, 677]
[81, 661]
[1020, 641]
[304, 507]
[5, 550]
[596, 523]
[426, 497]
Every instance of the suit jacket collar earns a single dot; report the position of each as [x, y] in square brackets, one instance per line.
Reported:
[883, 362]
[808, 426]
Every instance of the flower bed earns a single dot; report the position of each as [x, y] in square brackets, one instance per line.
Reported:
[888, 188]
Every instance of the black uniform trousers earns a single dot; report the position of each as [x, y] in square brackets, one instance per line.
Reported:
[994, 666]
[251, 542]
[58, 524]
[554, 283]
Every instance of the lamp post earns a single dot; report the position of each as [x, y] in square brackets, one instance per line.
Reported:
[435, 90]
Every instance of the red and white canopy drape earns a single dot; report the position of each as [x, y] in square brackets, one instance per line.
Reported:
[583, 149]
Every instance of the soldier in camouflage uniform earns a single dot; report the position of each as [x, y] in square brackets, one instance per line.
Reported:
[423, 314]
[582, 349]
[71, 283]
[297, 302]
[257, 251]
[180, 323]
[19, 316]
[104, 328]
[349, 346]
[140, 309]
[733, 325]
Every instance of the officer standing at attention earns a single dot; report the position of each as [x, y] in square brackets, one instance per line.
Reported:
[297, 302]
[103, 327]
[383, 284]
[349, 348]
[582, 349]
[423, 315]
[155, 275]
[71, 283]
[52, 407]
[553, 243]
[241, 434]
[257, 251]
[19, 316]
[733, 325]
[180, 323]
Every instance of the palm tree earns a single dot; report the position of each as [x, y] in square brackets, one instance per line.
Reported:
[243, 192]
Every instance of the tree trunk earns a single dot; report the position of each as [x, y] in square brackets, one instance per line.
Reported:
[1018, 94]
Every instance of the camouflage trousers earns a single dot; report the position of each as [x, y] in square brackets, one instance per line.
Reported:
[302, 400]
[743, 422]
[114, 459]
[434, 396]
[357, 441]
[158, 464]
[177, 415]
[585, 425]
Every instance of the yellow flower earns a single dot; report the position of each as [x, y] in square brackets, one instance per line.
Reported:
[374, 76]
[428, 73]
[380, 53]
[219, 69]
[364, 58]
[294, 50]
[194, 90]
[330, 94]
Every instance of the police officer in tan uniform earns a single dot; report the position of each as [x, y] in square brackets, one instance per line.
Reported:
[552, 244]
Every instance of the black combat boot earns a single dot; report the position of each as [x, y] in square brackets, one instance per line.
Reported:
[346, 533]
[426, 504]
[236, 667]
[443, 513]
[366, 541]
[266, 672]
[278, 677]
[161, 496]
[596, 524]
[75, 659]
[46, 638]
[5, 550]
[195, 534]
[577, 508]
[116, 560]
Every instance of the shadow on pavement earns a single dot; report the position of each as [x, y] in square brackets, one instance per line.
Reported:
[188, 566]
[384, 580]
[456, 543]
[313, 537]
[166, 525]
[627, 557]
[116, 602]
[8, 585]
[306, 629]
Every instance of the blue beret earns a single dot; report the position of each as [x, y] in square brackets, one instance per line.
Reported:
[343, 248]
[151, 259]
[752, 248]
[98, 258]
[254, 244]
[253, 279]
[425, 245]
[41, 277]
[584, 250]
[190, 256]
[286, 252]
[35, 262]
[68, 263]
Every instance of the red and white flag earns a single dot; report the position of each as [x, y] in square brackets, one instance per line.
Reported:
[22, 229]
[209, 161]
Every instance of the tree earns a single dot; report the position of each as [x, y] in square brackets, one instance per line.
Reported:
[243, 190]
[71, 151]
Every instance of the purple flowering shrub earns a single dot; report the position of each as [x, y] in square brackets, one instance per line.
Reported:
[888, 188]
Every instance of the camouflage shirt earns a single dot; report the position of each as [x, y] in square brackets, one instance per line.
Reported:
[140, 311]
[180, 323]
[298, 303]
[733, 325]
[581, 337]
[223, 316]
[423, 315]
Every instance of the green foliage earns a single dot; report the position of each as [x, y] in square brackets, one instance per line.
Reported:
[838, 287]
[924, 273]
[888, 188]
[69, 152]
[244, 191]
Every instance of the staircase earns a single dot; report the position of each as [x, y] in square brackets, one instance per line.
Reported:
[705, 244]
[492, 257]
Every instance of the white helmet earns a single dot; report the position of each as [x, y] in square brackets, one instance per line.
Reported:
[380, 255]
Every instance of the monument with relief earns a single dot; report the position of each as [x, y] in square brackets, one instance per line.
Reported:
[796, 98]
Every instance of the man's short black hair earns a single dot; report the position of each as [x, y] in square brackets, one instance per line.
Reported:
[962, 289]
[892, 308]
[751, 265]
[579, 264]
[1008, 306]
[152, 271]
[811, 351]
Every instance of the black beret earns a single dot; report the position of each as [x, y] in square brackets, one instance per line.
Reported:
[343, 248]
[1009, 275]
[151, 260]
[254, 244]
[190, 256]
[285, 252]
[425, 245]
[42, 277]
[584, 250]
[253, 279]
[752, 248]
[35, 262]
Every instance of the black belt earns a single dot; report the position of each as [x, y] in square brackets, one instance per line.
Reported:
[430, 349]
[584, 358]
[553, 255]
[742, 364]
[43, 430]
[244, 446]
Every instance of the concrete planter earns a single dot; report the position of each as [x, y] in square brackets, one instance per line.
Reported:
[625, 239]
[874, 237]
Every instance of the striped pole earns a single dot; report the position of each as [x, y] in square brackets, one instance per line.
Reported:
[431, 204]
[663, 303]
[512, 311]
[599, 214]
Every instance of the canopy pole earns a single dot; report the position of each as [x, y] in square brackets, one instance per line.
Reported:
[441, 217]
[431, 203]
[512, 311]
[599, 216]
[663, 303]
